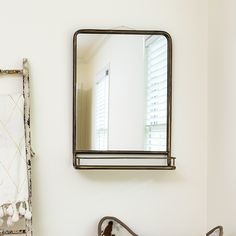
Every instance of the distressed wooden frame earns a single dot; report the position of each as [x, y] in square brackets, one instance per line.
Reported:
[28, 231]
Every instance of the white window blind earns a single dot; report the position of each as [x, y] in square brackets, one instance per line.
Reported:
[101, 110]
[156, 93]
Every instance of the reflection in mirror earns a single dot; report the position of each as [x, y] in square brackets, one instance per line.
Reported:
[121, 92]
[111, 226]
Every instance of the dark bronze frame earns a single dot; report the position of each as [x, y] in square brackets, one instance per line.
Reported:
[170, 161]
[112, 218]
[220, 228]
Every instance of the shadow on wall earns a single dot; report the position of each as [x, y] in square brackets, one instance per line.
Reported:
[111, 176]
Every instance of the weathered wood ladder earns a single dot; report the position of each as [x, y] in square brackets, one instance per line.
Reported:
[28, 231]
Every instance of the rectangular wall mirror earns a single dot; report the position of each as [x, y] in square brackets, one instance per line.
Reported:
[122, 99]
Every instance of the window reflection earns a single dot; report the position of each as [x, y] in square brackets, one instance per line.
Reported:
[156, 96]
[101, 110]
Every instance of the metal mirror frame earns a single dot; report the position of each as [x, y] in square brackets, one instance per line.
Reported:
[112, 218]
[170, 161]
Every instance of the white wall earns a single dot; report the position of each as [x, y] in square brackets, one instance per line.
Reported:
[70, 202]
[222, 115]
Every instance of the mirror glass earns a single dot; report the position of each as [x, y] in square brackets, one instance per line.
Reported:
[121, 92]
[114, 227]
